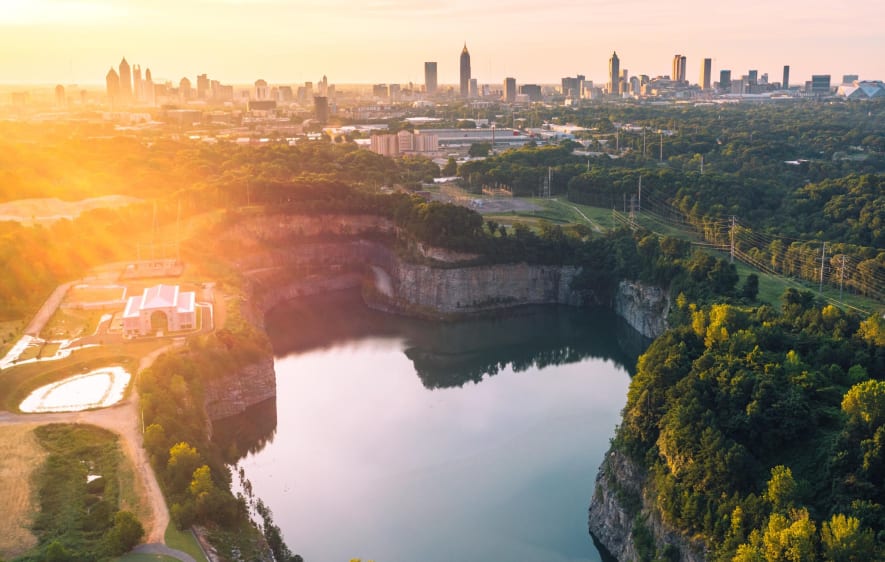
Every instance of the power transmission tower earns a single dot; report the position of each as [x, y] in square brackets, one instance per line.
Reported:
[731, 242]
[823, 256]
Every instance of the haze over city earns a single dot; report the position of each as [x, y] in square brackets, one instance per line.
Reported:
[52, 41]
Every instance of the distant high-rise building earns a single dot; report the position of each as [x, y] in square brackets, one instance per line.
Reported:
[394, 90]
[184, 90]
[706, 74]
[380, 91]
[533, 91]
[323, 86]
[113, 88]
[571, 87]
[820, 83]
[474, 88]
[725, 80]
[60, 100]
[510, 90]
[430, 77]
[125, 82]
[202, 86]
[321, 108]
[262, 92]
[614, 74]
[465, 72]
[753, 77]
[137, 84]
[849, 78]
[785, 83]
[678, 68]
[148, 88]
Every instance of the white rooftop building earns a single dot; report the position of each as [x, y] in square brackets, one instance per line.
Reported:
[161, 308]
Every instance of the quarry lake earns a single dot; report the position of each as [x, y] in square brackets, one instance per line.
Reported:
[397, 440]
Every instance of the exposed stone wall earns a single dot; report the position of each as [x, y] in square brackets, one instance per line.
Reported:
[619, 503]
[232, 393]
[644, 307]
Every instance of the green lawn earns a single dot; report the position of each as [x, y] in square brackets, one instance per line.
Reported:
[132, 557]
[183, 541]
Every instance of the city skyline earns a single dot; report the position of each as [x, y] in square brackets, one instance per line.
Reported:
[238, 41]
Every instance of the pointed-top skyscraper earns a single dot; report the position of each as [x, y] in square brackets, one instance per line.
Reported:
[125, 82]
[465, 72]
[113, 85]
[614, 75]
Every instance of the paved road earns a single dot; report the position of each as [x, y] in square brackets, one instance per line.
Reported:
[124, 419]
[47, 310]
[164, 550]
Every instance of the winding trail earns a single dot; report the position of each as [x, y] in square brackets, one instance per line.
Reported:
[124, 419]
[592, 222]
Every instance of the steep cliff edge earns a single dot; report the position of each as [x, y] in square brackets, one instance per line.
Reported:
[644, 307]
[626, 523]
[246, 386]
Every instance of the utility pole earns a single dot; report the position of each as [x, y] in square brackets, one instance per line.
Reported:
[702, 164]
[841, 276]
[662, 146]
[639, 206]
[643, 143]
[731, 232]
[823, 255]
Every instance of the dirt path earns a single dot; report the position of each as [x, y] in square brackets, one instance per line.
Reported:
[124, 419]
[592, 222]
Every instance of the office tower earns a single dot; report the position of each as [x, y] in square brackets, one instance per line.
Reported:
[323, 86]
[678, 68]
[202, 86]
[148, 88]
[262, 92]
[465, 72]
[474, 88]
[532, 91]
[785, 82]
[137, 84]
[394, 90]
[125, 82]
[113, 88]
[321, 108]
[430, 77]
[510, 90]
[60, 101]
[184, 89]
[571, 87]
[820, 83]
[380, 91]
[850, 78]
[725, 80]
[614, 74]
[753, 77]
[706, 72]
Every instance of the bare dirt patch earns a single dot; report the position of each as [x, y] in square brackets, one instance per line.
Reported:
[20, 455]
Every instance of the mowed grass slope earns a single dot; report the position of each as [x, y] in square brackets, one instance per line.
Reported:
[20, 455]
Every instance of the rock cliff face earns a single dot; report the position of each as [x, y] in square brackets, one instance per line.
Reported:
[237, 390]
[620, 510]
[644, 307]
[420, 289]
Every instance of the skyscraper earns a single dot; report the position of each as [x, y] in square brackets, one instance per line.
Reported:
[465, 72]
[510, 90]
[725, 80]
[678, 68]
[430, 77]
[706, 71]
[614, 74]
[113, 87]
[321, 108]
[125, 82]
[785, 83]
[137, 86]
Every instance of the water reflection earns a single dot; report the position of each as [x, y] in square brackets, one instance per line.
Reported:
[489, 454]
[449, 354]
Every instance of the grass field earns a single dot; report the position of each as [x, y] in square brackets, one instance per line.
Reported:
[20, 454]
[183, 541]
[146, 558]
[69, 323]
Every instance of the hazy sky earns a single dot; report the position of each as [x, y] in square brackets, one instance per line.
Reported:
[290, 41]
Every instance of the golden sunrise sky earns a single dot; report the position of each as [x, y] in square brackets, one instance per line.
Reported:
[367, 41]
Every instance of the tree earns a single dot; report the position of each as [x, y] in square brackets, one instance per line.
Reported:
[844, 541]
[183, 461]
[750, 290]
[479, 149]
[155, 439]
[124, 535]
[865, 404]
[790, 539]
[781, 489]
[450, 169]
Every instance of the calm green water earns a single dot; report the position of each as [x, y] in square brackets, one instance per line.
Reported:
[399, 440]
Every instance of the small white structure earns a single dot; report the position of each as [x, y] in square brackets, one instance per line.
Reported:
[161, 308]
